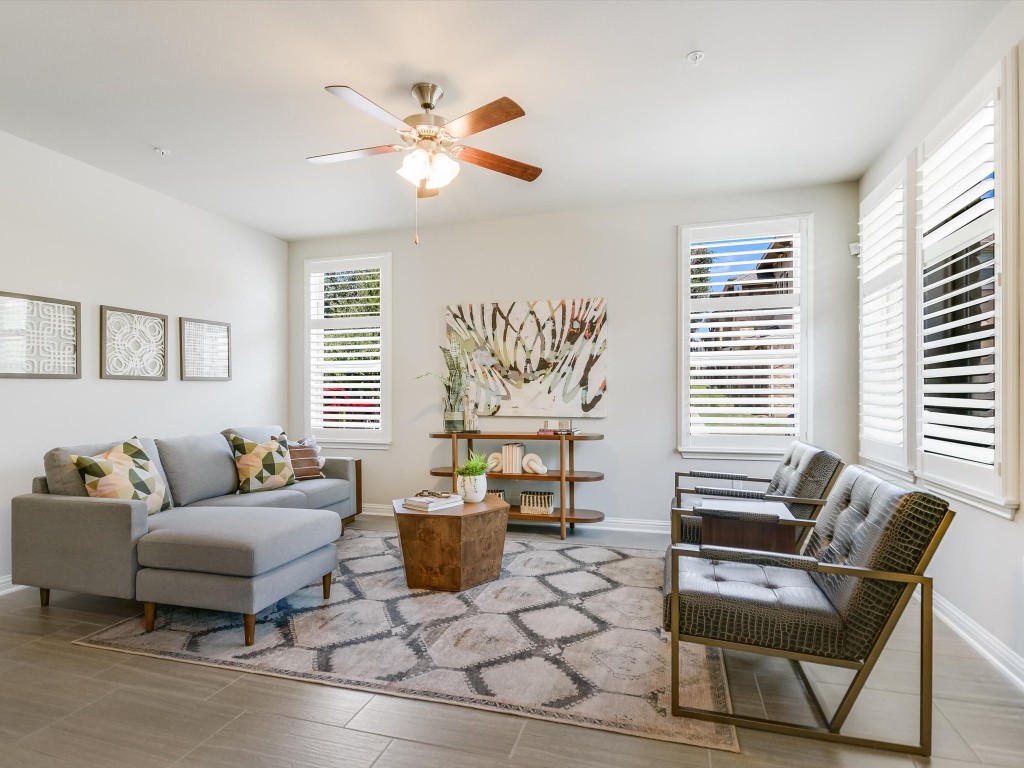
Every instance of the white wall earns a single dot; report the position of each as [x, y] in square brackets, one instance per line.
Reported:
[980, 566]
[629, 255]
[70, 231]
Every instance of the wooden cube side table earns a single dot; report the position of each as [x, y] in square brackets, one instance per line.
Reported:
[455, 548]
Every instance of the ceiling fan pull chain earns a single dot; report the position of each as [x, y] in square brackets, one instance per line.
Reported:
[416, 217]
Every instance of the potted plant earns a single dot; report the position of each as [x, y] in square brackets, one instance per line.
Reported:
[455, 384]
[473, 477]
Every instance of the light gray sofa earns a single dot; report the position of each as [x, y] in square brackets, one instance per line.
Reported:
[63, 539]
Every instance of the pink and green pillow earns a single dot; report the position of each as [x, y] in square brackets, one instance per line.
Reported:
[124, 472]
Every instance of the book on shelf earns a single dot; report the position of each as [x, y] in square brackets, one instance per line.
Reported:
[431, 503]
[558, 431]
[512, 457]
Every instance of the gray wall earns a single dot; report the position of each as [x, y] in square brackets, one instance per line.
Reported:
[70, 231]
[629, 255]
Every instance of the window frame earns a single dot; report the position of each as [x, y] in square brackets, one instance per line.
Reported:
[351, 438]
[740, 447]
[994, 489]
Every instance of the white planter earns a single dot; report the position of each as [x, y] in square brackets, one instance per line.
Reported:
[473, 488]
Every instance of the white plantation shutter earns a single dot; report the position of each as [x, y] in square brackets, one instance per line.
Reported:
[348, 310]
[742, 335]
[883, 330]
[957, 199]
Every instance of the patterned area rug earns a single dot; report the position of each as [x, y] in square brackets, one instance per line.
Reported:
[568, 633]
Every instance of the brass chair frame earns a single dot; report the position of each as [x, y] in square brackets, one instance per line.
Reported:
[828, 729]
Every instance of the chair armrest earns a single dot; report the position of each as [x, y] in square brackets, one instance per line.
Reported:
[346, 468]
[711, 475]
[76, 543]
[751, 516]
[675, 517]
[732, 493]
[796, 500]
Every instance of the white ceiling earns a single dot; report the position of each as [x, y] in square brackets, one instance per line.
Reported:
[790, 93]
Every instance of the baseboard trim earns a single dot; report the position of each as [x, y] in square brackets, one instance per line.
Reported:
[608, 524]
[6, 586]
[1006, 660]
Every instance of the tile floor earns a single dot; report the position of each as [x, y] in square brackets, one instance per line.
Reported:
[62, 705]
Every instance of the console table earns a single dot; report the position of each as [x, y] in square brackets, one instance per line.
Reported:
[566, 475]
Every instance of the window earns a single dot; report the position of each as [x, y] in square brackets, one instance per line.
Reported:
[939, 340]
[742, 338]
[884, 307]
[348, 316]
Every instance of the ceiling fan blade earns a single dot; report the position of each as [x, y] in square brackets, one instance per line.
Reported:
[355, 154]
[360, 102]
[496, 163]
[497, 112]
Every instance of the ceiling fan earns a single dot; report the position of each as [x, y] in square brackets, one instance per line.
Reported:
[433, 140]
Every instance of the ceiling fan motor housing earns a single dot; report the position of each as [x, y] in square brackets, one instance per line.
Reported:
[427, 95]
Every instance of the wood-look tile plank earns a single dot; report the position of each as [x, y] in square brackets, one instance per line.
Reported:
[408, 754]
[759, 749]
[293, 698]
[32, 698]
[133, 729]
[55, 651]
[442, 725]
[941, 762]
[891, 716]
[17, 756]
[554, 745]
[272, 740]
[17, 630]
[162, 677]
[995, 733]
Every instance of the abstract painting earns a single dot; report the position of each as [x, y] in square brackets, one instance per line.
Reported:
[133, 344]
[535, 358]
[39, 337]
[205, 350]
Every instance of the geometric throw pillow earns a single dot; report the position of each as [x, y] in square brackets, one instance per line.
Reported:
[262, 466]
[305, 455]
[124, 472]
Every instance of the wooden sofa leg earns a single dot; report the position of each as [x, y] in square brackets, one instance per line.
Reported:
[327, 585]
[44, 597]
[149, 616]
[250, 628]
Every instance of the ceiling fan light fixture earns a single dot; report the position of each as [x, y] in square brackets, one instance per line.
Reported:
[442, 170]
[415, 166]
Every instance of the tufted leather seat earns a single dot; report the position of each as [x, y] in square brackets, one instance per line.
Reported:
[834, 604]
[866, 522]
[804, 473]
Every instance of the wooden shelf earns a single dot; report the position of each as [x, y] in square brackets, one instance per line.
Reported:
[571, 515]
[552, 476]
[516, 436]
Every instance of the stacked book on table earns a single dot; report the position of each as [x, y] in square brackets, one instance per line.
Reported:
[431, 503]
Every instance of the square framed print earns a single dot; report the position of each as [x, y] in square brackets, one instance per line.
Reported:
[40, 338]
[205, 350]
[133, 344]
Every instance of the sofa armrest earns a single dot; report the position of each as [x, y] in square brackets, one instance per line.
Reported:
[345, 468]
[76, 543]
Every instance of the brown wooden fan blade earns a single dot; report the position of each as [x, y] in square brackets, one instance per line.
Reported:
[422, 190]
[497, 112]
[496, 163]
[362, 103]
[354, 154]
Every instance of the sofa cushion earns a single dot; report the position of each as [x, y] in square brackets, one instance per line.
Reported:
[198, 467]
[234, 542]
[282, 497]
[323, 492]
[62, 476]
[262, 466]
[306, 459]
[124, 472]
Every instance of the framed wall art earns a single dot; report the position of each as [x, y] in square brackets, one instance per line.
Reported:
[535, 358]
[205, 350]
[133, 344]
[40, 338]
